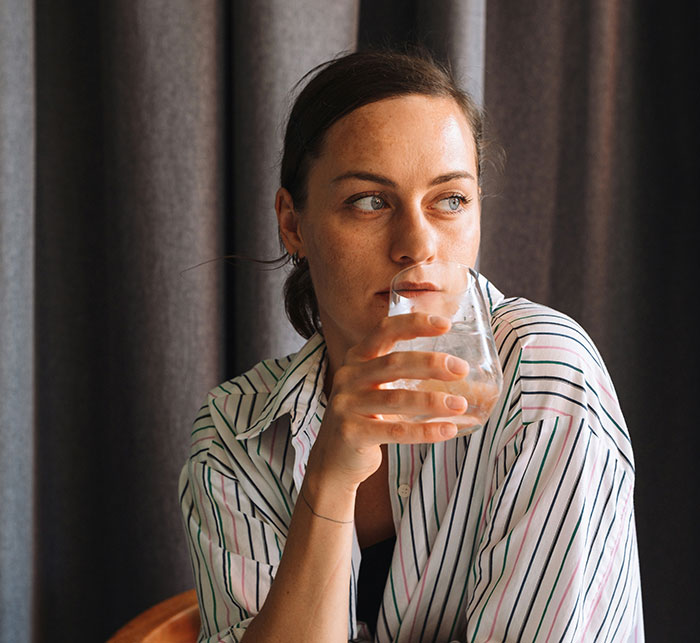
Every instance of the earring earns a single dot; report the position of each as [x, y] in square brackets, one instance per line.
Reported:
[296, 260]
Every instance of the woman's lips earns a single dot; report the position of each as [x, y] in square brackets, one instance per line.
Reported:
[413, 289]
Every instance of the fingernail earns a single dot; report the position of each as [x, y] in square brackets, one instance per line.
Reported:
[457, 366]
[438, 321]
[454, 402]
[448, 430]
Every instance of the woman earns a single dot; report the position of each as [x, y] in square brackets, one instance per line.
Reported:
[311, 517]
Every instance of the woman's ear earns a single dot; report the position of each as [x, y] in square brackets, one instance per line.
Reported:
[289, 223]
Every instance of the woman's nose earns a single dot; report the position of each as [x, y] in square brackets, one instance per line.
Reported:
[413, 238]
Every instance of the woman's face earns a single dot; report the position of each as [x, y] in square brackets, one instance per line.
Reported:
[395, 184]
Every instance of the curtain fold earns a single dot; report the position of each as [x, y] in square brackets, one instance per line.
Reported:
[129, 196]
[17, 403]
[596, 107]
[273, 44]
[456, 32]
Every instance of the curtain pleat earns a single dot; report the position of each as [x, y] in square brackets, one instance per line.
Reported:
[596, 107]
[273, 44]
[17, 396]
[129, 197]
[456, 32]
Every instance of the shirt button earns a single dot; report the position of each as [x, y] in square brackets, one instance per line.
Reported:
[404, 490]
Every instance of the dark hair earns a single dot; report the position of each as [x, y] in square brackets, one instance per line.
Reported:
[336, 88]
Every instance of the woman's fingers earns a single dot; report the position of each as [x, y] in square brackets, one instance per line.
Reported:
[413, 365]
[398, 431]
[402, 365]
[395, 329]
[402, 402]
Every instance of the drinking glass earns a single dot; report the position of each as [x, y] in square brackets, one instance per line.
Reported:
[452, 290]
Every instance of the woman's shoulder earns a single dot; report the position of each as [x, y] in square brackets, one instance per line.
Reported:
[541, 330]
[529, 324]
[557, 371]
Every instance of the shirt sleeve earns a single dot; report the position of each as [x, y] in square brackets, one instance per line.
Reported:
[234, 550]
[557, 559]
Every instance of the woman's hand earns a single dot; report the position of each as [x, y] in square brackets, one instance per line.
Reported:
[361, 414]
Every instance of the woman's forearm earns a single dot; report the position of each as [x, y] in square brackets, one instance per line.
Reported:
[308, 600]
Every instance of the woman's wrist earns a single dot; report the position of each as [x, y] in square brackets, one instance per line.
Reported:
[329, 498]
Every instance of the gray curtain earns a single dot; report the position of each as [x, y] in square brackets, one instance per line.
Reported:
[596, 106]
[139, 144]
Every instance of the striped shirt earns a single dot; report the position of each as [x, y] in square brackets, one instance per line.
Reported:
[522, 531]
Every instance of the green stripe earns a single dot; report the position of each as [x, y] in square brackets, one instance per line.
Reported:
[493, 589]
[222, 416]
[277, 542]
[476, 531]
[267, 368]
[556, 580]
[552, 361]
[216, 507]
[544, 459]
[505, 399]
[393, 594]
[201, 428]
[458, 612]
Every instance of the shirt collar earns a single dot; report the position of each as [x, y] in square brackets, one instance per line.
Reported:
[298, 392]
[494, 297]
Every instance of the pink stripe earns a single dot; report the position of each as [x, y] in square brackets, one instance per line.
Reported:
[488, 501]
[605, 390]
[561, 602]
[403, 568]
[420, 596]
[609, 570]
[223, 492]
[527, 529]
[301, 459]
[238, 549]
[573, 575]
[267, 388]
[206, 523]
[511, 438]
[201, 440]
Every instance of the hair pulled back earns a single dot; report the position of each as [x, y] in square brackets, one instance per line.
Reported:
[336, 88]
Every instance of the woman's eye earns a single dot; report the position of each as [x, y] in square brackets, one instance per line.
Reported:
[370, 203]
[453, 203]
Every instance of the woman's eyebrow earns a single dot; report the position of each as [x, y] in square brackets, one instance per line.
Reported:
[365, 176]
[451, 176]
[383, 180]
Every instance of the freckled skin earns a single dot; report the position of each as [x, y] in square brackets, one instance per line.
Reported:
[353, 250]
